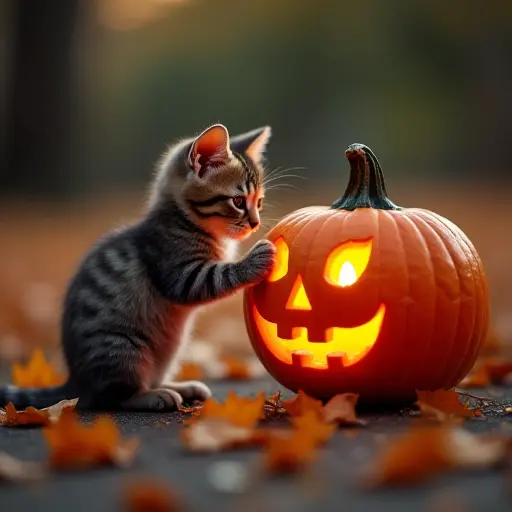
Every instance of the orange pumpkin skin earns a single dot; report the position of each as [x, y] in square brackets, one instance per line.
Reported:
[423, 277]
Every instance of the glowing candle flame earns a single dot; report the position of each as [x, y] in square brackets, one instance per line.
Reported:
[347, 275]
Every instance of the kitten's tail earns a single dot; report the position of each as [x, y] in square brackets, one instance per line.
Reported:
[34, 397]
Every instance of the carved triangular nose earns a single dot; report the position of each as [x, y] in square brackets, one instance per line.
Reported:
[298, 298]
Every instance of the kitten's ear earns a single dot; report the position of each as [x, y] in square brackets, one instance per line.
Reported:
[210, 148]
[252, 143]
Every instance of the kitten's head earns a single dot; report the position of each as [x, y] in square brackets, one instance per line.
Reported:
[216, 180]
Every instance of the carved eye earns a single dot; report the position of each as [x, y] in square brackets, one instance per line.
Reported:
[347, 262]
[281, 266]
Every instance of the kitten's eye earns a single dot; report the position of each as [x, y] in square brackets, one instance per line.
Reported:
[260, 202]
[239, 201]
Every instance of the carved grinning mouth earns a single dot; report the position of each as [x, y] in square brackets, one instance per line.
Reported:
[345, 346]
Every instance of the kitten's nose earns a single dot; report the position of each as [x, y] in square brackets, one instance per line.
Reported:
[254, 223]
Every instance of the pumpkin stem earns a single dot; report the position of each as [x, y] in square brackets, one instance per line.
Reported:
[366, 188]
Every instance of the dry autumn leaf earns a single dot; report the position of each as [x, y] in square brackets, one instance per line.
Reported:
[151, 496]
[10, 417]
[37, 373]
[310, 424]
[75, 446]
[477, 378]
[15, 470]
[341, 409]
[421, 453]
[236, 369]
[240, 411]
[443, 405]
[289, 453]
[190, 371]
[273, 408]
[218, 434]
[300, 403]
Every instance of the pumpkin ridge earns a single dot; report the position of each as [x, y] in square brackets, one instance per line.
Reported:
[366, 187]
[432, 231]
[408, 229]
[418, 224]
[438, 225]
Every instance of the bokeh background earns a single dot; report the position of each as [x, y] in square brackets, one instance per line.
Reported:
[92, 92]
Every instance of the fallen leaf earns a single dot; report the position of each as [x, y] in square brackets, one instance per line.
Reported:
[289, 453]
[75, 446]
[311, 425]
[37, 373]
[236, 369]
[273, 408]
[341, 409]
[498, 370]
[443, 405]
[240, 411]
[190, 371]
[217, 434]
[423, 452]
[10, 417]
[15, 470]
[301, 403]
[151, 496]
[477, 378]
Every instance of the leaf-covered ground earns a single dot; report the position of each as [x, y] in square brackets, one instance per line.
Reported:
[235, 481]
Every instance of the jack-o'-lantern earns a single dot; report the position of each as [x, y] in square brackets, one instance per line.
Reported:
[368, 297]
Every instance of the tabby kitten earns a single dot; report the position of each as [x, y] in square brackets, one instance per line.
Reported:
[129, 308]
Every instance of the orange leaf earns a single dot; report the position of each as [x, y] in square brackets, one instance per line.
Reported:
[421, 453]
[190, 371]
[15, 470]
[10, 417]
[289, 453]
[73, 445]
[273, 408]
[301, 403]
[311, 425]
[241, 411]
[217, 434]
[151, 496]
[498, 370]
[236, 369]
[37, 373]
[341, 409]
[443, 405]
[477, 378]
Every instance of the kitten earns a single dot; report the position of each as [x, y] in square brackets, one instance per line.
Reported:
[129, 308]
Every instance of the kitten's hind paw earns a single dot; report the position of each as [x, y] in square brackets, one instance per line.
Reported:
[190, 390]
[161, 399]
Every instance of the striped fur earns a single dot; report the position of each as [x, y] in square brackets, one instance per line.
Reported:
[130, 305]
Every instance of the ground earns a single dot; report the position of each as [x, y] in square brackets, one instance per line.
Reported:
[331, 485]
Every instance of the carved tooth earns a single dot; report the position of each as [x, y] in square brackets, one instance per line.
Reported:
[335, 360]
[285, 332]
[302, 358]
[316, 335]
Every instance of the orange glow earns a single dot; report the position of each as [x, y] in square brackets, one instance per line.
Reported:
[344, 346]
[298, 298]
[347, 262]
[281, 266]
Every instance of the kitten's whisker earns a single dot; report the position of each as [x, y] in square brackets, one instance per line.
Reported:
[283, 185]
[283, 176]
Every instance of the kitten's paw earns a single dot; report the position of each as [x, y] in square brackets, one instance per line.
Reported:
[161, 399]
[261, 260]
[190, 390]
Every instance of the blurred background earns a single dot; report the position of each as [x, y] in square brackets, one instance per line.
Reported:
[92, 92]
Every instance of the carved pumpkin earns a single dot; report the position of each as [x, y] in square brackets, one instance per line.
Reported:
[368, 297]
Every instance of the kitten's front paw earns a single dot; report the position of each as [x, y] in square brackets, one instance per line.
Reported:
[261, 260]
[190, 390]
